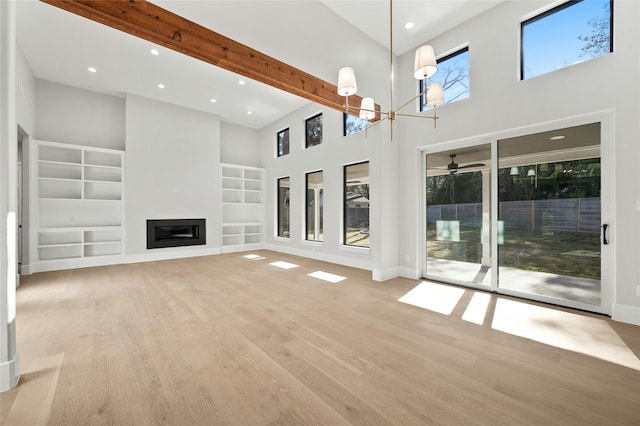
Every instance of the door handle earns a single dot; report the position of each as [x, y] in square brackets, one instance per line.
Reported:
[604, 234]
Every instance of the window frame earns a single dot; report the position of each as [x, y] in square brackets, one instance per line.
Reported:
[288, 142]
[280, 231]
[320, 211]
[344, 204]
[422, 84]
[345, 116]
[306, 130]
[548, 13]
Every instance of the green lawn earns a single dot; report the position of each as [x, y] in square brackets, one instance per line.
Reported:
[557, 253]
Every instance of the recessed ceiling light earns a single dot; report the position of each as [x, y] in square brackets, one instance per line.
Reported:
[408, 25]
[213, 100]
[556, 138]
[160, 85]
[92, 69]
[249, 112]
[241, 82]
[154, 52]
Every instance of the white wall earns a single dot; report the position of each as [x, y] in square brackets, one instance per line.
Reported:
[172, 171]
[239, 145]
[499, 101]
[25, 117]
[25, 93]
[330, 157]
[72, 115]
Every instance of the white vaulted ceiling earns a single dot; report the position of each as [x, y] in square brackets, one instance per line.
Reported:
[313, 36]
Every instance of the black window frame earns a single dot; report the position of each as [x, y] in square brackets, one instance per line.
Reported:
[286, 199]
[308, 202]
[548, 13]
[422, 84]
[286, 143]
[345, 116]
[306, 130]
[345, 190]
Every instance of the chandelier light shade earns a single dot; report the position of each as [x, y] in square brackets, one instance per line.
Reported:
[347, 82]
[425, 64]
[367, 109]
[435, 97]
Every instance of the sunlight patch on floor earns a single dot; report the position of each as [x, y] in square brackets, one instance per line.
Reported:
[253, 256]
[434, 297]
[327, 276]
[564, 330]
[283, 265]
[477, 308]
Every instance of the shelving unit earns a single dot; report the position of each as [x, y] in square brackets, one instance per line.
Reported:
[242, 208]
[77, 205]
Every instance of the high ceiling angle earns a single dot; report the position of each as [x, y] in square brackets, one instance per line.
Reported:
[122, 63]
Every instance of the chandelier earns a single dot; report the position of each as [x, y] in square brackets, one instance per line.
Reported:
[425, 66]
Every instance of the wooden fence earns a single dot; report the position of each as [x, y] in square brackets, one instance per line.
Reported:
[563, 215]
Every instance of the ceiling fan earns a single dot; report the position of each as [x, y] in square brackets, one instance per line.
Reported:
[453, 166]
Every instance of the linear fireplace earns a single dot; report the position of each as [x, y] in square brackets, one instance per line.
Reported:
[175, 232]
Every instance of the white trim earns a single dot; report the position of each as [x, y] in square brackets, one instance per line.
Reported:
[626, 313]
[409, 272]
[56, 265]
[366, 264]
[606, 118]
[10, 373]
[385, 274]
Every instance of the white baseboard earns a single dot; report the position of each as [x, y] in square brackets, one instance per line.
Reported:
[626, 313]
[10, 373]
[411, 273]
[385, 274]
[87, 262]
[365, 264]
[57, 265]
[169, 254]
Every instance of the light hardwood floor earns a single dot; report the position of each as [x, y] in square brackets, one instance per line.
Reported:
[228, 340]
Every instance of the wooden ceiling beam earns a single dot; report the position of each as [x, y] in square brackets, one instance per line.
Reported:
[145, 20]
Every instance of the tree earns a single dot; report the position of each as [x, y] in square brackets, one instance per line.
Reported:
[453, 75]
[598, 43]
[455, 188]
[456, 76]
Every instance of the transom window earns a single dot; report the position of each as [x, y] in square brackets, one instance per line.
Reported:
[353, 124]
[570, 33]
[313, 131]
[453, 75]
[283, 142]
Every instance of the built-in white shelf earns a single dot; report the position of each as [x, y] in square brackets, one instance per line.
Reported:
[77, 203]
[242, 207]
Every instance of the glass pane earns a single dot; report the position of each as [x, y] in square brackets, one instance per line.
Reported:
[453, 75]
[549, 214]
[356, 204]
[314, 206]
[283, 207]
[458, 215]
[566, 35]
[313, 131]
[283, 142]
[353, 124]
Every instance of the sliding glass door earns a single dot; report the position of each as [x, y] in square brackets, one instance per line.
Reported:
[458, 200]
[522, 216]
[549, 211]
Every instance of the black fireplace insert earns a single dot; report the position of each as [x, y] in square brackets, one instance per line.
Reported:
[175, 232]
